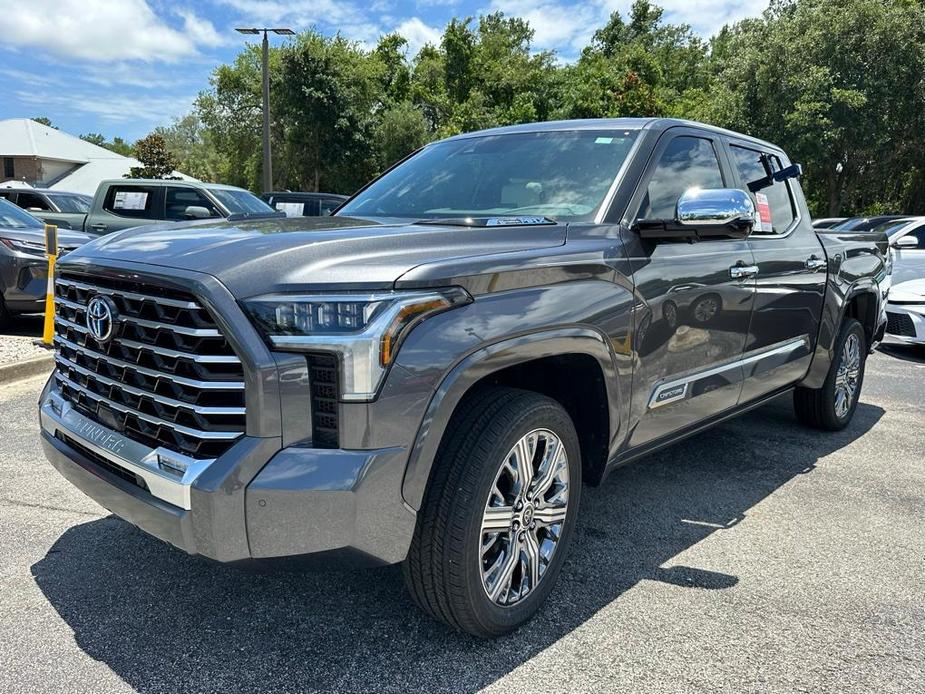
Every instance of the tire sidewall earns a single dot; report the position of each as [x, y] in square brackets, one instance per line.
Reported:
[495, 618]
[850, 327]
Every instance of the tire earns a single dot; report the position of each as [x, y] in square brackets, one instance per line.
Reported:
[823, 408]
[446, 571]
[6, 318]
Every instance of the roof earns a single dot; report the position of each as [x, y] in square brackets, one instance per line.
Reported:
[191, 182]
[658, 124]
[23, 137]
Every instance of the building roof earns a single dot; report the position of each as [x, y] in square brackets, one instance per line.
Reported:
[23, 137]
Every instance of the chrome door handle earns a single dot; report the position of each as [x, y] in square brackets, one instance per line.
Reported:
[98, 227]
[814, 263]
[741, 272]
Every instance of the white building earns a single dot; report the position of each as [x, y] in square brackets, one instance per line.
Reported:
[43, 157]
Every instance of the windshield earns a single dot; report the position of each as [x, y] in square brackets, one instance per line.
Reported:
[12, 217]
[241, 201]
[561, 174]
[70, 203]
[890, 228]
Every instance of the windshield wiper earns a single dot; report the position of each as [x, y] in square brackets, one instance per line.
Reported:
[494, 221]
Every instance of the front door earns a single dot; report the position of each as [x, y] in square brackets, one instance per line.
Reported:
[692, 315]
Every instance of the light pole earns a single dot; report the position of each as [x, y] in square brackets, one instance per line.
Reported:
[267, 162]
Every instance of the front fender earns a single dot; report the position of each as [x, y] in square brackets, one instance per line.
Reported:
[493, 358]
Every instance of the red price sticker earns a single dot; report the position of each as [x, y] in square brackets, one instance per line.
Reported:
[764, 212]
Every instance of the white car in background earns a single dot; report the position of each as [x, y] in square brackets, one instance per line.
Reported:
[906, 304]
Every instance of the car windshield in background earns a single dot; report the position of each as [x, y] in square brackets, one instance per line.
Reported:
[241, 201]
[559, 174]
[12, 217]
[70, 203]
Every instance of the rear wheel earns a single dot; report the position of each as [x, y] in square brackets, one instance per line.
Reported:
[498, 514]
[832, 406]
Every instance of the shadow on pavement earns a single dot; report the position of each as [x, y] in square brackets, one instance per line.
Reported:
[27, 325]
[164, 621]
[913, 353]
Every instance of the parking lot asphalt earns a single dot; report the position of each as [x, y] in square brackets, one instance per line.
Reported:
[759, 556]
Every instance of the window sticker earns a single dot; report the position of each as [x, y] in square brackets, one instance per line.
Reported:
[764, 213]
[130, 200]
[603, 141]
[292, 209]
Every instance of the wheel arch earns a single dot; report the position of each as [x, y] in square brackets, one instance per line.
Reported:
[592, 398]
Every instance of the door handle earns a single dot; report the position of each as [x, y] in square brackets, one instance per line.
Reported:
[98, 227]
[742, 271]
[814, 263]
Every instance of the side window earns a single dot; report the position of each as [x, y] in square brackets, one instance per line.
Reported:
[751, 166]
[328, 205]
[178, 199]
[919, 233]
[6, 194]
[33, 201]
[687, 162]
[132, 201]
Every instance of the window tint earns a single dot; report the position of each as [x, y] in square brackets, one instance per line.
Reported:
[687, 162]
[178, 199]
[754, 175]
[28, 201]
[328, 205]
[132, 201]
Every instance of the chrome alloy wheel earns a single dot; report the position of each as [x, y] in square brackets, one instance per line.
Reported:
[849, 372]
[524, 516]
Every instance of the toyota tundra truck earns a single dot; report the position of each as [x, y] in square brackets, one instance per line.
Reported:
[431, 375]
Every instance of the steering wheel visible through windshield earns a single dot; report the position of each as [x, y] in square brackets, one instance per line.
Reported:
[560, 174]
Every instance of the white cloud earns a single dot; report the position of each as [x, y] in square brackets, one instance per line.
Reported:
[335, 15]
[101, 30]
[417, 33]
[113, 108]
[202, 31]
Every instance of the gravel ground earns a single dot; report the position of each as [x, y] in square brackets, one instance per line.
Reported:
[759, 556]
[16, 342]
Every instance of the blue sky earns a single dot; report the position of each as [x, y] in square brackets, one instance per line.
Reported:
[122, 67]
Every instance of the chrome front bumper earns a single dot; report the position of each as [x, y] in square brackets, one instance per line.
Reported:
[168, 475]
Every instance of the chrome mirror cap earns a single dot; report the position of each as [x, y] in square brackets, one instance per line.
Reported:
[715, 207]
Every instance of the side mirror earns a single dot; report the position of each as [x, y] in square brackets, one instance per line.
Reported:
[908, 241]
[704, 213]
[196, 212]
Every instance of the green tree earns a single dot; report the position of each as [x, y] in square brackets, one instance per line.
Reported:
[45, 121]
[118, 145]
[401, 130]
[191, 144]
[156, 161]
[838, 83]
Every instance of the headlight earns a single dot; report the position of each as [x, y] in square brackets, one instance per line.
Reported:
[364, 329]
[30, 247]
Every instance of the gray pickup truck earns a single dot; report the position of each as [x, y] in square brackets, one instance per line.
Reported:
[123, 203]
[430, 375]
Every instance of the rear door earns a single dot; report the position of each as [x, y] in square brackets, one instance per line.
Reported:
[692, 317]
[792, 272]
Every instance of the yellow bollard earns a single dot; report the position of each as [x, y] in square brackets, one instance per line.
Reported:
[51, 250]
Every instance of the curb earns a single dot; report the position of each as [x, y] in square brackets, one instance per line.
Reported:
[24, 369]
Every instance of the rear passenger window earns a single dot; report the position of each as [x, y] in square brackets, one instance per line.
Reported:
[132, 201]
[328, 205]
[751, 166]
[33, 201]
[687, 162]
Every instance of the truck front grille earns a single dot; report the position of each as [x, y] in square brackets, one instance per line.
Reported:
[899, 324]
[166, 378]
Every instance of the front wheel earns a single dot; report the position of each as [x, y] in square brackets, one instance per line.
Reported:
[498, 514]
[832, 406]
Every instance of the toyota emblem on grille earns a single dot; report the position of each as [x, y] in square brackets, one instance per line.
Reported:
[101, 318]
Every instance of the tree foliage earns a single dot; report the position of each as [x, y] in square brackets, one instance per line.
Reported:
[839, 84]
[117, 144]
[156, 161]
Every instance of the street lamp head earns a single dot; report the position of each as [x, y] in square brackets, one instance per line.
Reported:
[283, 32]
[248, 31]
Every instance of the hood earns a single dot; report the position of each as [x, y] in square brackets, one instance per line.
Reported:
[259, 256]
[66, 238]
[911, 291]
